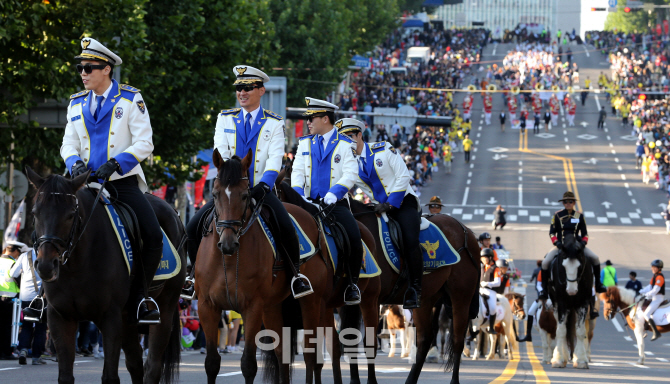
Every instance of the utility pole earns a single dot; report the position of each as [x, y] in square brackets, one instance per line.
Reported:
[10, 181]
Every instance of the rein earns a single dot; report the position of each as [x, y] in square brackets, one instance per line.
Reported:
[60, 244]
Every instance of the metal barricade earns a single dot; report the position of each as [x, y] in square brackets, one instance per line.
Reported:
[16, 321]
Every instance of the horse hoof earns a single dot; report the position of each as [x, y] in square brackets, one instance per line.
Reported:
[640, 362]
[403, 355]
[558, 365]
[582, 365]
[431, 360]
[391, 354]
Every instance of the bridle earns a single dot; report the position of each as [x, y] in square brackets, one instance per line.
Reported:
[63, 247]
[516, 309]
[242, 225]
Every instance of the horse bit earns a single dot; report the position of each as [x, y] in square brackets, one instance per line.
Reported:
[237, 226]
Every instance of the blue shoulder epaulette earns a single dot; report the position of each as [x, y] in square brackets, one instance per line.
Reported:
[378, 147]
[230, 111]
[79, 94]
[305, 137]
[272, 114]
[128, 88]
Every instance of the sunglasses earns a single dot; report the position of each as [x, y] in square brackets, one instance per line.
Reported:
[310, 118]
[434, 206]
[246, 88]
[568, 202]
[88, 68]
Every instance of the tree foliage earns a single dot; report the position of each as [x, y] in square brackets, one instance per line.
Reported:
[631, 22]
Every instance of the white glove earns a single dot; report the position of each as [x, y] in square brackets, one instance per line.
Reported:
[309, 201]
[483, 284]
[648, 295]
[330, 198]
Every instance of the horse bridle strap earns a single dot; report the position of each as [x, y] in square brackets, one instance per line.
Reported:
[241, 226]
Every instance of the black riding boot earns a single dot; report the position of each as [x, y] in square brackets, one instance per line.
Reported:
[600, 288]
[352, 295]
[594, 311]
[188, 289]
[413, 293]
[544, 295]
[529, 328]
[492, 324]
[300, 285]
[151, 260]
[654, 331]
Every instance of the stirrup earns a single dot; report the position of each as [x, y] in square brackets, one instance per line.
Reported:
[146, 300]
[309, 285]
[38, 318]
[188, 293]
[345, 295]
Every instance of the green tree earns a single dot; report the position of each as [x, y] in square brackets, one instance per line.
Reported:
[636, 21]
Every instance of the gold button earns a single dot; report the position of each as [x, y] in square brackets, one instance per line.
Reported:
[111, 146]
[111, 133]
[85, 137]
[85, 149]
[85, 159]
[258, 161]
[258, 150]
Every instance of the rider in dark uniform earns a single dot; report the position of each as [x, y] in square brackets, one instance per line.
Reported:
[568, 219]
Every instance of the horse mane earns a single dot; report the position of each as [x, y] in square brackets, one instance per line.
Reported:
[512, 295]
[56, 188]
[230, 172]
[626, 296]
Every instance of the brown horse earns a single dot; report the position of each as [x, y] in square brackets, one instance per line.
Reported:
[546, 322]
[516, 301]
[458, 283]
[623, 300]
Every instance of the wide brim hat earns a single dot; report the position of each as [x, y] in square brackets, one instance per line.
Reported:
[435, 200]
[568, 196]
[245, 74]
[315, 106]
[348, 124]
[92, 49]
[22, 246]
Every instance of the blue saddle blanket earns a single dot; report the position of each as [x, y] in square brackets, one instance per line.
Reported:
[170, 264]
[307, 249]
[436, 250]
[369, 266]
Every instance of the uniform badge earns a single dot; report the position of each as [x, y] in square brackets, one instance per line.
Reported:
[392, 150]
[338, 158]
[379, 162]
[266, 136]
[241, 70]
[141, 106]
[118, 113]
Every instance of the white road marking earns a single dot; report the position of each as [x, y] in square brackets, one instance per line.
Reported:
[606, 130]
[589, 214]
[619, 167]
[623, 177]
[7, 369]
[616, 159]
[628, 338]
[634, 215]
[520, 171]
[613, 152]
[495, 46]
[587, 55]
[457, 211]
[231, 373]
[520, 163]
[545, 213]
[512, 217]
[648, 221]
[608, 137]
[394, 370]
[534, 218]
[625, 220]
[488, 217]
[602, 220]
[469, 174]
[476, 142]
[626, 185]
[520, 178]
[630, 193]
[520, 194]
[600, 365]
[611, 215]
[478, 135]
[656, 216]
[465, 196]
[481, 121]
[474, 157]
[662, 359]
[597, 101]
[523, 212]
[479, 211]
[467, 216]
[565, 132]
[474, 149]
[617, 325]
[633, 201]
[468, 182]
[639, 366]
[566, 139]
[563, 125]
[611, 145]
[472, 165]
[649, 353]
[567, 147]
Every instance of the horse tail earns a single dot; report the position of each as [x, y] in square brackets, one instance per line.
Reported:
[450, 355]
[292, 318]
[172, 354]
[571, 334]
[350, 317]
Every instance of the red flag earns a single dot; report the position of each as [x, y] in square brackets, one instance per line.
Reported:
[299, 127]
[200, 186]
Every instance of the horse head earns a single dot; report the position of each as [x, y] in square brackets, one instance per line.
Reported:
[516, 302]
[612, 301]
[573, 262]
[231, 200]
[57, 217]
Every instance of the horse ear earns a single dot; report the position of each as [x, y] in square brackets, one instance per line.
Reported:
[218, 160]
[603, 296]
[80, 180]
[246, 162]
[34, 178]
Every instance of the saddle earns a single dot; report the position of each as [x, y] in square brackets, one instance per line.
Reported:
[342, 241]
[128, 219]
[646, 303]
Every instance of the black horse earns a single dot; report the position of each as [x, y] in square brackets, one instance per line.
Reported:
[571, 291]
[85, 277]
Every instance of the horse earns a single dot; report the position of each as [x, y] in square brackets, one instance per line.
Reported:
[516, 301]
[506, 322]
[458, 283]
[236, 270]
[397, 325]
[85, 277]
[623, 300]
[570, 291]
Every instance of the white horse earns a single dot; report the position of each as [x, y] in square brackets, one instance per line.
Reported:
[545, 323]
[624, 299]
[505, 318]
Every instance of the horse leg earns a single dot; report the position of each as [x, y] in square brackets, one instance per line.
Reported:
[560, 359]
[133, 353]
[113, 335]
[639, 337]
[546, 345]
[160, 335]
[423, 320]
[370, 313]
[392, 342]
[210, 316]
[333, 346]
[253, 320]
[63, 333]
[492, 347]
[580, 360]
[273, 321]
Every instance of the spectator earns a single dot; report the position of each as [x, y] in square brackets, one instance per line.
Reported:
[633, 283]
[602, 115]
[467, 146]
[435, 205]
[608, 275]
[33, 335]
[502, 120]
[666, 216]
[499, 218]
[234, 327]
[498, 244]
[9, 290]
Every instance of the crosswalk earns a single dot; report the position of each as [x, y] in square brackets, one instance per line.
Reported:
[535, 215]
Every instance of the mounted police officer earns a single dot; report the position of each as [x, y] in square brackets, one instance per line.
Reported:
[260, 130]
[383, 176]
[491, 280]
[568, 219]
[109, 132]
[325, 169]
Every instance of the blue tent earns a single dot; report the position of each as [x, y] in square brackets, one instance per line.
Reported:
[206, 155]
[360, 61]
[413, 23]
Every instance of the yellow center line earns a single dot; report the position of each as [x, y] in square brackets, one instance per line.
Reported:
[568, 170]
[508, 373]
[538, 371]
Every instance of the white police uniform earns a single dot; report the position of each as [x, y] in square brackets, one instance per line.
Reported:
[122, 130]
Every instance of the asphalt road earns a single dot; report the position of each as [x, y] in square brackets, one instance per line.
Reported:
[527, 176]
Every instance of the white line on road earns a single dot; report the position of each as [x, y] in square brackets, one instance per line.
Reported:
[633, 201]
[616, 159]
[566, 139]
[630, 193]
[628, 338]
[619, 168]
[649, 353]
[474, 157]
[639, 366]
[617, 325]
[585, 51]
[520, 178]
[567, 147]
[480, 128]
[606, 130]
[520, 163]
[662, 359]
[476, 142]
[597, 102]
[468, 182]
[472, 165]
[465, 195]
[469, 174]
[565, 132]
[520, 194]
[611, 145]
[231, 373]
[608, 137]
[495, 46]
[623, 177]
[7, 369]
[613, 152]
[626, 185]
